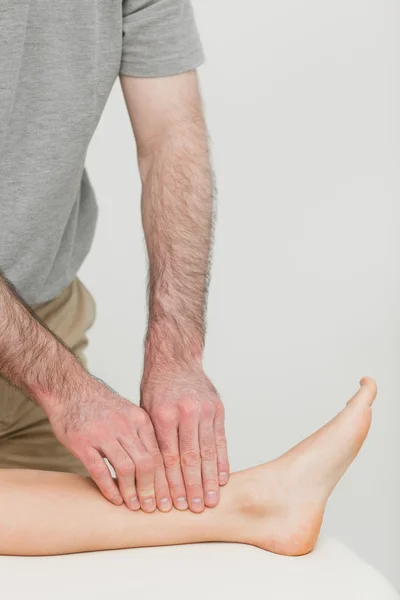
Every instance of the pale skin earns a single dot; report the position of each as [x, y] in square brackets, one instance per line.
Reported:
[277, 506]
[170, 451]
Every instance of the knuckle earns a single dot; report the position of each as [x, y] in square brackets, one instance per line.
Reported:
[143, 419]
[191, 458]
[165, 444]
[189, 407]
[97, 470]
[208, 452]
[220, 439]
[162, 491]
[219, 408]
[112, 495]
[171, 461]
[208, 408]
[125, 468]
[211, 483]
[158, 460]
[165, 416]
[177, 489]
[195, 489]
[89, 456]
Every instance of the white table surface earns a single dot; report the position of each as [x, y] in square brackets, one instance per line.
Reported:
[194, 572]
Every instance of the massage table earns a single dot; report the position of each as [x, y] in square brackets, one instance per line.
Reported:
[195, 572]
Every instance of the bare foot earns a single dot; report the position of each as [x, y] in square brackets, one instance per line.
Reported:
[281, 503]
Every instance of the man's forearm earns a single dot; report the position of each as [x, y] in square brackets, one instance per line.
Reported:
[177, 211]
[31, 356]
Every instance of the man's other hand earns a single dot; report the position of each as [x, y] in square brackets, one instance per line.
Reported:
[97, 423]
[188, 418]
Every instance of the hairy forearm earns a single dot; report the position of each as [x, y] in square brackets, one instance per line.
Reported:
[31, 356]
[177, 212]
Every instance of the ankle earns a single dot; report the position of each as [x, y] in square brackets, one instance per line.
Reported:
[248, 494]
[269, 516]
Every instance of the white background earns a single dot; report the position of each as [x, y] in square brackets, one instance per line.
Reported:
[302, 101]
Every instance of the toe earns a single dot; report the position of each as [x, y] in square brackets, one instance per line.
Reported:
[367, 391]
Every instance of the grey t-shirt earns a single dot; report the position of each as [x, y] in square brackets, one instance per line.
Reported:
[58, 63]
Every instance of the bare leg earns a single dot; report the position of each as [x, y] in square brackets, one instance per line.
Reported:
[278, 506]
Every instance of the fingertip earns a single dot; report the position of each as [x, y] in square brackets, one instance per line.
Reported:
[117, 500]
[165, 504]
[181, 503]
[134, 504]
[223, 478]
[211, 499]
[148, 505]
[197, 505]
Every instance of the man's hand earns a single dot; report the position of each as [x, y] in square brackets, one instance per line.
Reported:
[177, 214]
[188, 417]
[96, 423]
[87, 417]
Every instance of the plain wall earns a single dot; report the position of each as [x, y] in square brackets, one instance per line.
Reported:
[302, 101]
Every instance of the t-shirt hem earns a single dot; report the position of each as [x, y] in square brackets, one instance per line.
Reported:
[165, 69]
[53, 292]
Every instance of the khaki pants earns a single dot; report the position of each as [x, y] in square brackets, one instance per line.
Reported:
[26, 438]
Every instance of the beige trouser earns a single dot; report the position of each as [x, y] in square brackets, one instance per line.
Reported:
[26, 438]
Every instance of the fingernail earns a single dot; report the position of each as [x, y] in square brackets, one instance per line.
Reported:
[165, 504]
[223, 478]
[148, 503]
[181, 503]
[134, 504]
[211, 497]
[197, 503]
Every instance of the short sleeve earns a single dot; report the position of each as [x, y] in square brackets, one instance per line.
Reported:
[160, 38]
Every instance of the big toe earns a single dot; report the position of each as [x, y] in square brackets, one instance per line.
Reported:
[366, 393]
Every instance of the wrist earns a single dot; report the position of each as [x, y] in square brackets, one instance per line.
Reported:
[170, 347]
[65, 378]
